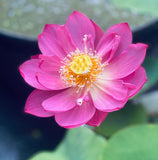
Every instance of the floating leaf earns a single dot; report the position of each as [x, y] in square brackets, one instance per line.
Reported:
[139, 6]
[129, 115]
[134, 143]
[49, 156]
[79, 144]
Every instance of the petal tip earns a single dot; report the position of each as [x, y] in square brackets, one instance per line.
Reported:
[76, 12]
[126, 24]
[45, 27]
[39, 36]
[143, 45]
[146, 46]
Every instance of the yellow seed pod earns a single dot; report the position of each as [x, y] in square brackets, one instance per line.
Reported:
[81, 64]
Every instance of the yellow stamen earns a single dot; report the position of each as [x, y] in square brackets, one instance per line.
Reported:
[81, 69]
[81, 64]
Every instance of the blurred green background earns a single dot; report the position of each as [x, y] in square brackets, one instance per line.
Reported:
[131, 133]
[28, 16]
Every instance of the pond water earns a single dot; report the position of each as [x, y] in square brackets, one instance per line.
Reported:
[29, 17]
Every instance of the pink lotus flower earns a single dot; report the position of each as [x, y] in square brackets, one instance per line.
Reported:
[83, 73]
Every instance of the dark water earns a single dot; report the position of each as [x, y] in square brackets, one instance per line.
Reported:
[21, 134]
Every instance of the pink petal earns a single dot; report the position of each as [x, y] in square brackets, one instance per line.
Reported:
[33, 104]
[126, 63]
[79, 25]
[50, 80]
[49, 63]
[49, 45]
[107, 46]
[76, 116]
[65, 40]
[97, 119]
[123, 30]
[115, 89]
[29, 70]
[63, 101]
[35, 56]
[51, 29]
[137, 78]
[104, 102]
[98, 33]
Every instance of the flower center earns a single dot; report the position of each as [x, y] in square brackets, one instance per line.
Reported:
[81, 69]
[81, 64]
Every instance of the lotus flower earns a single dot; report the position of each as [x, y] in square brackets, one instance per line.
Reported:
[82, 74]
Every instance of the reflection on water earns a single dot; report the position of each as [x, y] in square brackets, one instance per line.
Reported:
[29, 17]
